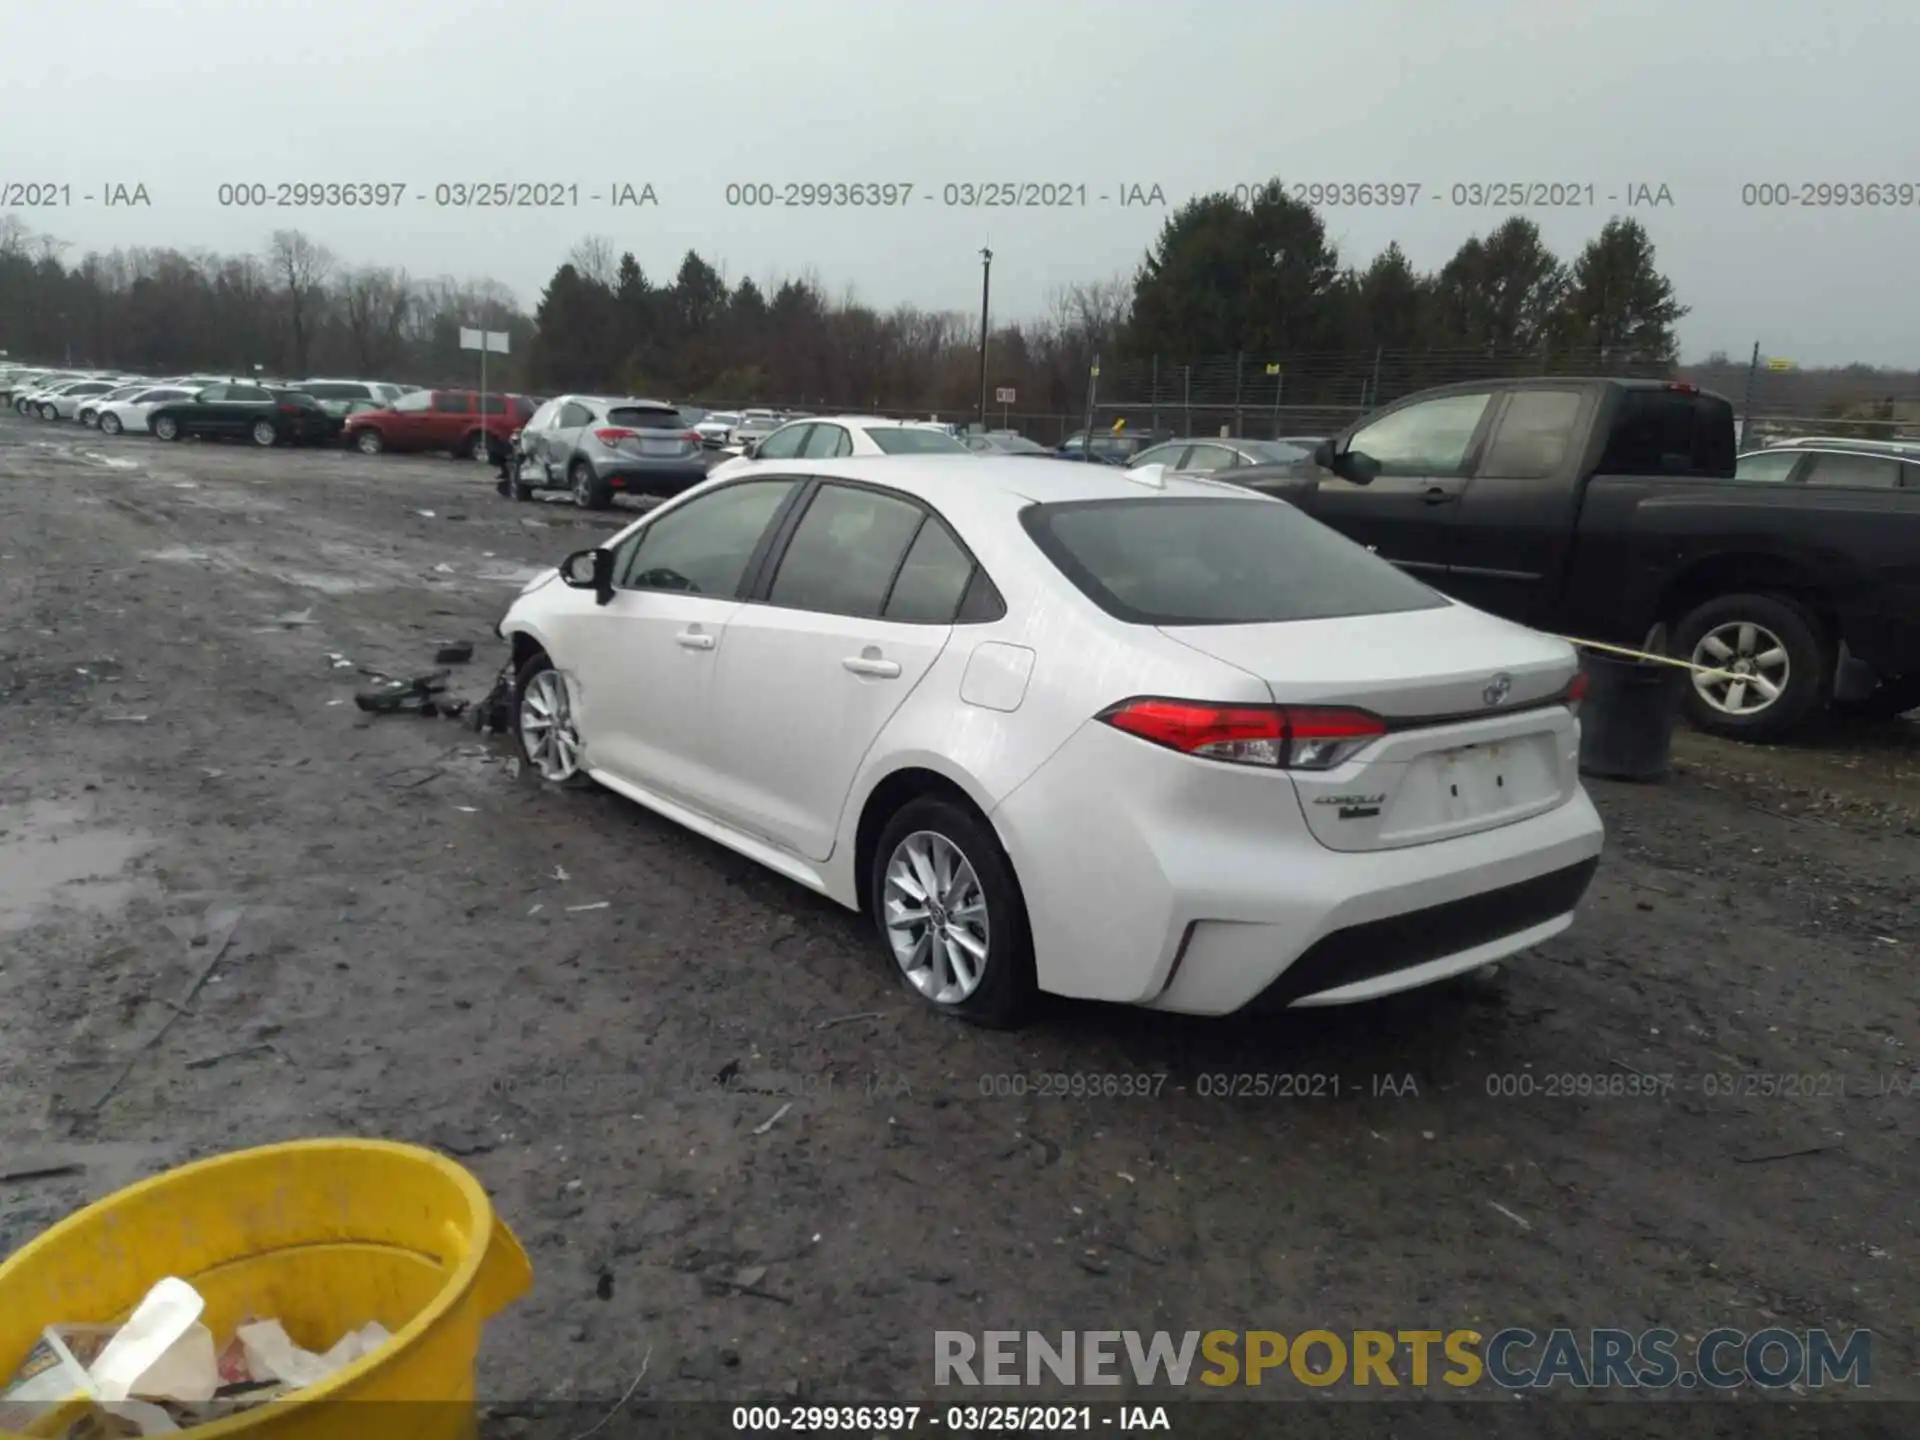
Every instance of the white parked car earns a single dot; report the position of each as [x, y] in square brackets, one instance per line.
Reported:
[60, 402]
[120, 416]
[715, 428]
[1133, 738]
[87, 412]
[832, 437]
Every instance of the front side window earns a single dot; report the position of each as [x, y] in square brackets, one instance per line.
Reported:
[1768, 465]
[212, 394]
[842, 558]
[452, 402]
[784, 443]
[415, 404]
[248, 395]
[1209, 457]
[1428, 437]
[573, 415]
[704, 546]
[1216, 561]
[1168, 455]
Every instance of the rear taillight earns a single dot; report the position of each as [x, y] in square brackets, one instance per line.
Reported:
[291, 410]
[693, 435]
[1291, 737]
[612, 435]
[1575, 692]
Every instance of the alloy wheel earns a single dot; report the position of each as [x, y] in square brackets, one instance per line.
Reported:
[936, 917]
[547, 730]
[1755, 659]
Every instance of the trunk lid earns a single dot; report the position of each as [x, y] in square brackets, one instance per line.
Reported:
[1470, 745]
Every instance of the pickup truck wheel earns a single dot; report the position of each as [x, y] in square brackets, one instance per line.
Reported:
[1779, 653]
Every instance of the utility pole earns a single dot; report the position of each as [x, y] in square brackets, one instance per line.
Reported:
[986, 279]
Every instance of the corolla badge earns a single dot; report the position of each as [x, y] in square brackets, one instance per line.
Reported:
[1498, 688]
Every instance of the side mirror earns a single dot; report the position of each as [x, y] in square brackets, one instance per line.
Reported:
[1348, 464]
[589, 570]
[750, 450]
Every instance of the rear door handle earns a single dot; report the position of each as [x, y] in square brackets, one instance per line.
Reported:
[695, 640]
[1437, 495]
[881, 669]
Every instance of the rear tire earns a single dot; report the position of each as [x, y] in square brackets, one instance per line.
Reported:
[1005, 990]
[1774, 638]
[589, 493]
[477, 447]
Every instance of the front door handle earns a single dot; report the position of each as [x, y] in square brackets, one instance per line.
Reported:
[1437, 495]
[695, 640]
[865, 665]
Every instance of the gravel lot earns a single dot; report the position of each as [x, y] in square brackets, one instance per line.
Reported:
[410, 964]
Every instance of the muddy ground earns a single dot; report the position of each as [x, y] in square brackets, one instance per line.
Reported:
[410, 964]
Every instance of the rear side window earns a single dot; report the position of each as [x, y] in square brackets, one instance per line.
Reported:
[1534, 435]
[933, 579]
[844, 554]
[495, 404]
[1216, 561]
[1670, 432]
[1869, 471]
[644, 417]
[452, 402]
[337, 391]
[906, 440]
[1767, 465]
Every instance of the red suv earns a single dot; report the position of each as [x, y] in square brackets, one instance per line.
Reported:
[449, 420]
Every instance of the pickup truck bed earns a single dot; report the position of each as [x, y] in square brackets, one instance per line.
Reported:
[1609, 510]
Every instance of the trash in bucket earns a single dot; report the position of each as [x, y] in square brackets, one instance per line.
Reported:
[1626, 719]
[302, 1274]
[160, 1372]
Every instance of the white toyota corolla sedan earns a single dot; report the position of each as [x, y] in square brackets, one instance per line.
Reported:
[1129, 737]
[835, 437]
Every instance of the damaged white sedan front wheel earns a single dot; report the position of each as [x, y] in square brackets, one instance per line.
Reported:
[544, 724]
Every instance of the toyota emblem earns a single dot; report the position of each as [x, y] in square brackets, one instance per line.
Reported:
[1497, 689]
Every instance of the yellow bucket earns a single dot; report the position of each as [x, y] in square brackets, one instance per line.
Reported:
[324, 1235]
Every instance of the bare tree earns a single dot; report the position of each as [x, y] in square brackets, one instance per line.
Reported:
[596, 259]
[375, 301]
[302, 269]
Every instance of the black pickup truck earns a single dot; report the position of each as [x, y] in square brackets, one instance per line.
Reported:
[1609, 510]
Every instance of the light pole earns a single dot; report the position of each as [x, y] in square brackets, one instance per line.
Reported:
[986, 280]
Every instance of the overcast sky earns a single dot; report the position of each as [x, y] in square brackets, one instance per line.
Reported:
[1701, 96]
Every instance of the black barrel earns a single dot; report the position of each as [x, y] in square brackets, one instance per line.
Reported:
[1626, 720]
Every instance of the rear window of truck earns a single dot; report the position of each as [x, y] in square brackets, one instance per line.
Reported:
[1203, 560]
[1670, 432]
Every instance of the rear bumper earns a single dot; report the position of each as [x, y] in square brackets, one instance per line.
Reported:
[1201, 891]
[652, 479]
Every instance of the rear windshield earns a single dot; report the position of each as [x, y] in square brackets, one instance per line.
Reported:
[1670, 432]
[635, 417]
[1210, 560]
[909, 440]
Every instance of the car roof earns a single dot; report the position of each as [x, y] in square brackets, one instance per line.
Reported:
[957, 484]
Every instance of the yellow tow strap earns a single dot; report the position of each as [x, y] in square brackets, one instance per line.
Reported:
[1656, 659]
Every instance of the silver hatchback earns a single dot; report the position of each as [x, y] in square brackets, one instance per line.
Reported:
[599, 447]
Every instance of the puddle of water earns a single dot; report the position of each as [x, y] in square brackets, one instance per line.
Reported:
[327, 584]
[179, 553]
[50, 856]
[112, 462]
